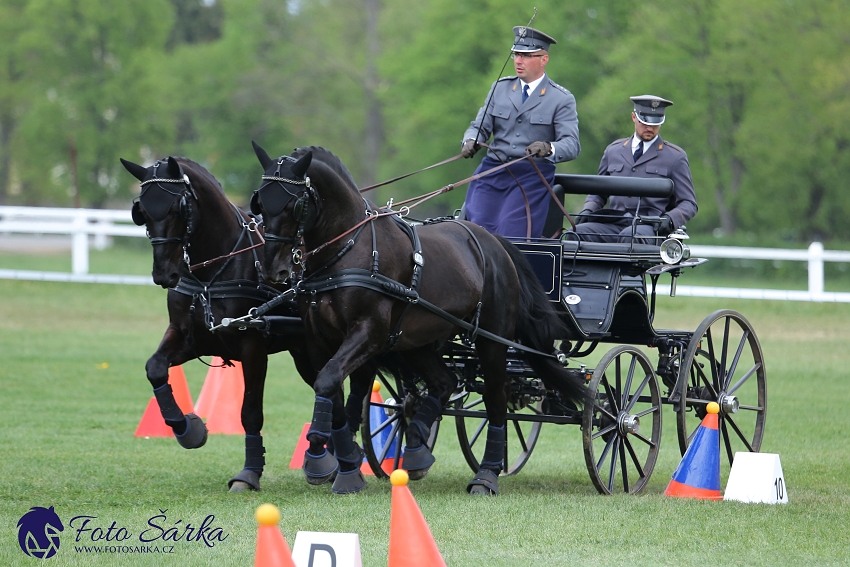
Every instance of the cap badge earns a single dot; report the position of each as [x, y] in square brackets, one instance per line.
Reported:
[654, 104]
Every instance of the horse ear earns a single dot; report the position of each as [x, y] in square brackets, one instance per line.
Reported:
[135, 169]
[264, 158]
[174, 168]
[300, 166]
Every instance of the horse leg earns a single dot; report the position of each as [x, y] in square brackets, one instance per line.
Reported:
[361, 381]
[329, 416]
[254, 369]
[189, 429]
[493, 359]
[417, 456]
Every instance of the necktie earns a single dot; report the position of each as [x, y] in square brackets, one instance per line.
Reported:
[524, 93]
[639, 151]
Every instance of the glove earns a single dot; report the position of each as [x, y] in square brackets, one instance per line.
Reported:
[666, 226]
[582, 216]
[469, 148]
[539, 149]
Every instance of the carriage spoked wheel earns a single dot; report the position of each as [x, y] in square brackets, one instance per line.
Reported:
[621, 430]
[384, 425]
[724, 363]
[520, 439]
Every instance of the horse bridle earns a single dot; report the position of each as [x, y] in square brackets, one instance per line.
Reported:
[185, 207]
[302, 211]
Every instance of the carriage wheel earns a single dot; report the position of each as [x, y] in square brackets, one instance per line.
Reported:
[521, 436]
[724, 364]
[621, 430]
[384, 425]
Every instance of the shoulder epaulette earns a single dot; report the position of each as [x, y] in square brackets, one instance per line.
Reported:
[559, 87]
[617, 142]
[673, 146]
[509, 78]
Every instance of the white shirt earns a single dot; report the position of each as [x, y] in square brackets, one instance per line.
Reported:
[646, 145]
[532, 85]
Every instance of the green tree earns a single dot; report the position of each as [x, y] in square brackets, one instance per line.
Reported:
[91, 68]
[12, 88]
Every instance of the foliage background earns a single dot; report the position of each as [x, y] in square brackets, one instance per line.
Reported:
[761, 92]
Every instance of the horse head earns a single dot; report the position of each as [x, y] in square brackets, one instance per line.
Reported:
[289, 206]
[167, 207]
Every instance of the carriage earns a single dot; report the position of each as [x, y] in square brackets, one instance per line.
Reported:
[606, 293]
[602, 294]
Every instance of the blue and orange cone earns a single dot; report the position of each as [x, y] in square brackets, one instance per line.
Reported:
[698, 474]
[377, 416]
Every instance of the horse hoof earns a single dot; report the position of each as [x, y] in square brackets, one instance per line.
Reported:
[245, 480]
[417, 462]
[485, 482]
[349, 482]
[321, 469]
[195, 435]
[417, 474]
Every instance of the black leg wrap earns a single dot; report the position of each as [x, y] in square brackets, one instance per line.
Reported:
[484, 482]
[322, 417]
[495, 450]
[420, 426]
[354, 411]
[255, 458]
[349, 479]
[171, 412]
[345, 449]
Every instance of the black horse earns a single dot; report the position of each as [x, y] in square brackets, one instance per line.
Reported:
[372, 284]
[190, 221]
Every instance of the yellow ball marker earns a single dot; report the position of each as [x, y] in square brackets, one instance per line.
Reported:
[376, 386]
[399, 477]
[267, 515]
[712, 407]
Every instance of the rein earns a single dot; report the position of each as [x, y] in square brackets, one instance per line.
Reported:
[247, 227]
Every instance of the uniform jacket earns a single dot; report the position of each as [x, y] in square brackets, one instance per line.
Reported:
[549, 115]
[662, 159]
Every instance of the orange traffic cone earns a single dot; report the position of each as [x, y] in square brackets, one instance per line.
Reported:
[272, 550]
[152, 424]
[411, 542]
[297, 460]
[698, 474]
[220, 400]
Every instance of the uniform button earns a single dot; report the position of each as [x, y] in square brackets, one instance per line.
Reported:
[517, 133]
[513, 146]
[519, 119]
[634, 169]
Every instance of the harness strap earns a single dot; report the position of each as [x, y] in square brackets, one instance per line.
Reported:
[357, 277]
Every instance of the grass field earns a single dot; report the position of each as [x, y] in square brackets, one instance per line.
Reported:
[73, 390]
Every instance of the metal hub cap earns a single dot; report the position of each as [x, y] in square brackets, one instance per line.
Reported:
[729, 404]
[628, 423]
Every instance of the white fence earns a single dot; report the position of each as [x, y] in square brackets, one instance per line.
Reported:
[92, 227]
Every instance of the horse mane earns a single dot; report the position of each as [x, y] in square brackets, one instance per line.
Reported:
[326, 158]
[200, 174]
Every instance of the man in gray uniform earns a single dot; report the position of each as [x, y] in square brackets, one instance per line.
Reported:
[526, 114]
[644, 155]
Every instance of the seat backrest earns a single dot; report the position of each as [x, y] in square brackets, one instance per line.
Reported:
[554, 218]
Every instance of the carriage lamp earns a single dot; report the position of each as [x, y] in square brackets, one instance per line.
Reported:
[674, 251]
